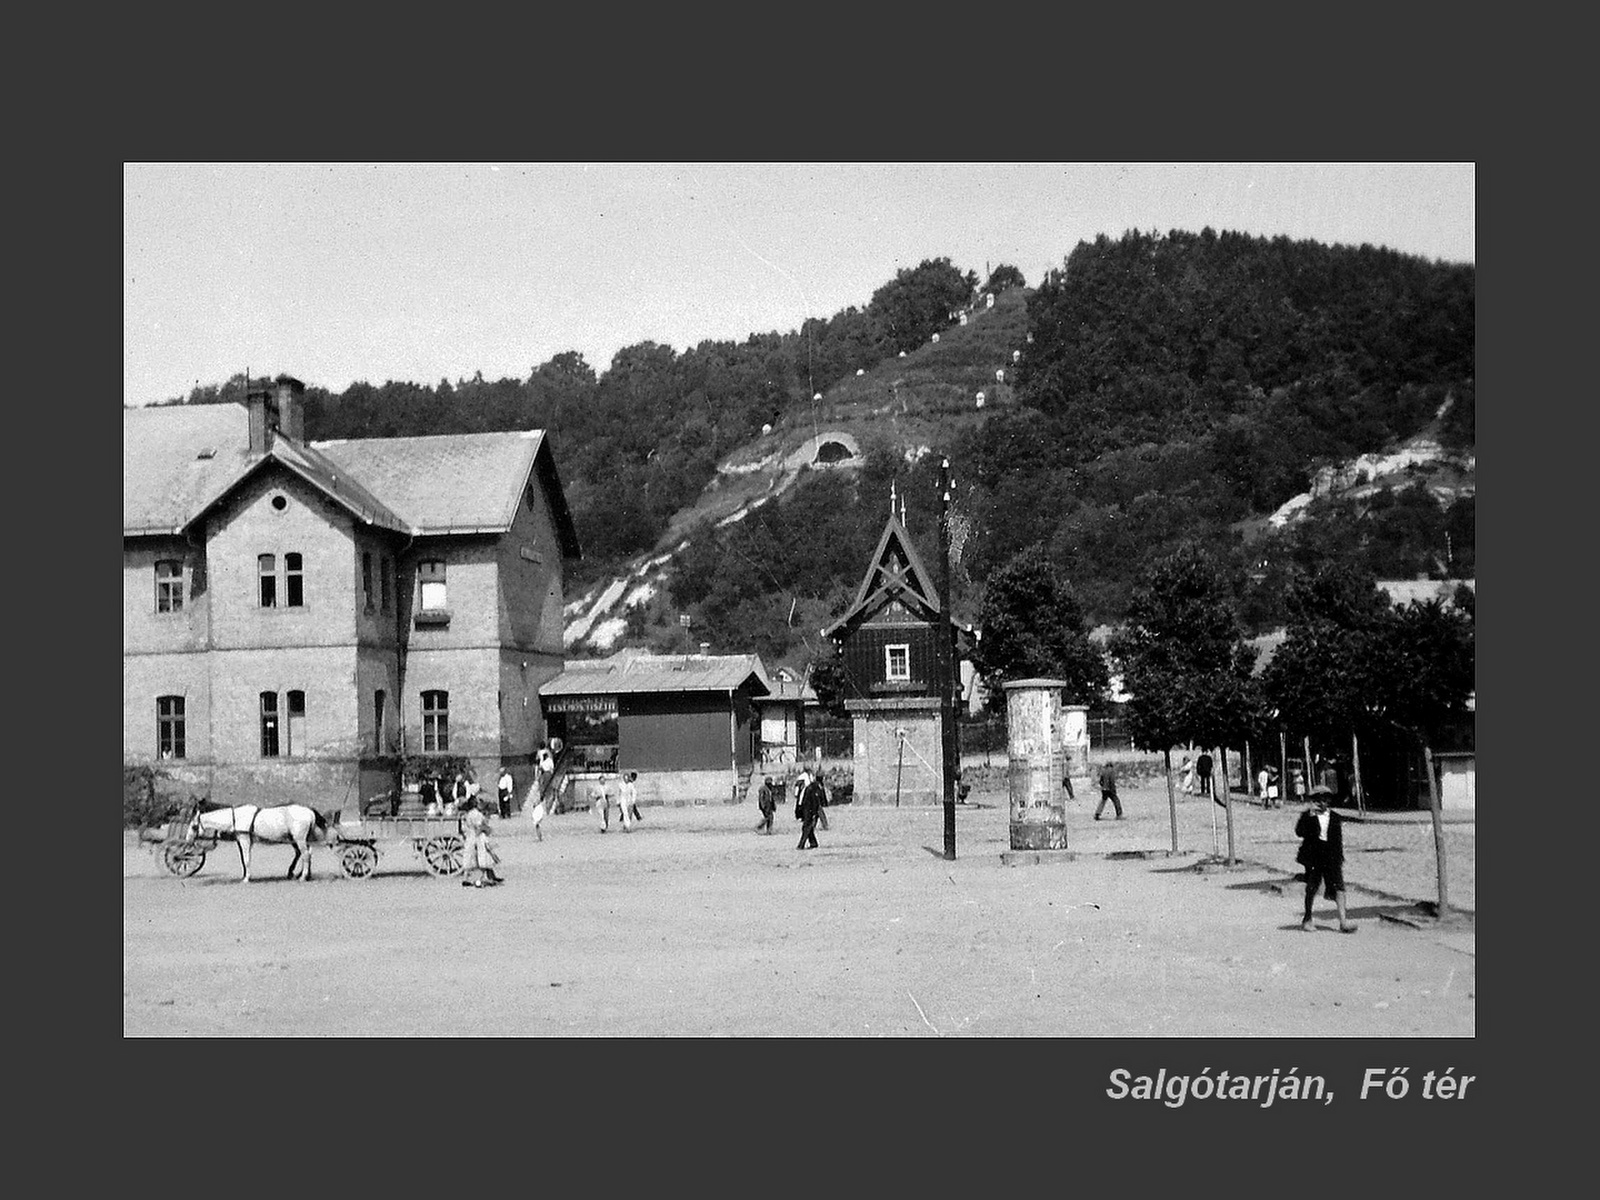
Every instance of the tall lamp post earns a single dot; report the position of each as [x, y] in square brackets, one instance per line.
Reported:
[947, 672]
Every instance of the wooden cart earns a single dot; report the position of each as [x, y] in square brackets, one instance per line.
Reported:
[438, 841]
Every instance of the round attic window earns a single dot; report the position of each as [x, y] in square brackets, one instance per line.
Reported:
[279, 503]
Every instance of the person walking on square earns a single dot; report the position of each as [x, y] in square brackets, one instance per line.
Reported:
[505, 785]
[626, 797]
[1108, 791]
[630, 796]
[1187, 767]
[535, 807]
[767, 802]
[480, 858]
[810, 804]
[602, 805]
[1202, 770]
[1321, 834]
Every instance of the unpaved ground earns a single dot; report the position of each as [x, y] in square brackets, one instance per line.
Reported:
[695, 925]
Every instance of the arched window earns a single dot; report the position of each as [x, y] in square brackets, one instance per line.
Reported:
[296, 741]
[435, 722]
[269, 724]
[267, 575]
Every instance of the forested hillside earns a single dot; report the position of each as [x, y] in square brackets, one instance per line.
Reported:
[1155, 389]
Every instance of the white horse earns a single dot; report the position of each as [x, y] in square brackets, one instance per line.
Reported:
[248, 823]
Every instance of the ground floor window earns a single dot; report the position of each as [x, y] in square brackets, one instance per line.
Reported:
[169, 726]
[296, 742]
[269, 724]
[435, 722]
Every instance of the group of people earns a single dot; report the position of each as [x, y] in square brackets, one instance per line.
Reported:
[1197, 774]
[1319, 828]
[627, 800]
[810, 805]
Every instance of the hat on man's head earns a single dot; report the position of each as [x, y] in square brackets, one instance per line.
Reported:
[1322, 789]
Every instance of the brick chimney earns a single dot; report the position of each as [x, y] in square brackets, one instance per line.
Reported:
[258, 401]
[291, 407]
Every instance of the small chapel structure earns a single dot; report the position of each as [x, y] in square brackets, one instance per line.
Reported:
[894, 676]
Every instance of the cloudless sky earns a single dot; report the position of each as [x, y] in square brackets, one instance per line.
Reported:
[337, 273]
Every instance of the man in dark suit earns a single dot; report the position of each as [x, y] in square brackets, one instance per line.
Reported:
[811, 798]
[1202, 771]
[1321, 835]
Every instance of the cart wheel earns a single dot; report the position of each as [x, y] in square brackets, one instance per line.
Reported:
[443, 854]
[183, 858]
[358, 860]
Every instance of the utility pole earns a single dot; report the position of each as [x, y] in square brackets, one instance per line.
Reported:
[947, 672]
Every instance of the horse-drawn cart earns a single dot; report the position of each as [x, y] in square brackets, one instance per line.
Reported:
[438, 841]
[173, 848]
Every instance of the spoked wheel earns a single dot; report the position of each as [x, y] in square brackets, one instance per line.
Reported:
[183, 858]
[359, 860]
[444, 854]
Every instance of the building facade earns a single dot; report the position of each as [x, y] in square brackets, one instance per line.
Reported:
[894, 679]
[686, 723]
[296, 615]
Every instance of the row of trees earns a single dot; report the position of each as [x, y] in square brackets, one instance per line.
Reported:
[1351, 662]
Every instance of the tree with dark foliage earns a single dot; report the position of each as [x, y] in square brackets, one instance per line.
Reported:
[1032, 626]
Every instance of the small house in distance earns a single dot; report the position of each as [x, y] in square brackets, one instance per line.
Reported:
[686, 723]
[894, 680]
[782, 714]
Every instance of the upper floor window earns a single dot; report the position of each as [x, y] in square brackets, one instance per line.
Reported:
[897, 662]
[378, 699]
[386, 582]
[169, 726]
[169, 585]
[293, 592]
[366, 579]
[435, 722]
[269, 724]
[430, 584]
[294, 586]
[267, 576]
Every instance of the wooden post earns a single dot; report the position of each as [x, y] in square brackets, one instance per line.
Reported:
[1355, 773]
[1283, 766]
[1310, 781]
[1249, 775]
[1172, 798]
[1227, 799]
[1438, 835]
[898, 763]
[947, 654]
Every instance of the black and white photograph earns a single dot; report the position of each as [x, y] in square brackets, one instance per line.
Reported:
[807, 600]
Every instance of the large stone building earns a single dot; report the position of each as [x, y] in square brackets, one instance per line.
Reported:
[295, 615]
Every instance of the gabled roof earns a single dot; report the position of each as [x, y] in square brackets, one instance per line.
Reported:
[177, 459]
[458, 483]
[180, 460]
[632, 673]
[895, 572]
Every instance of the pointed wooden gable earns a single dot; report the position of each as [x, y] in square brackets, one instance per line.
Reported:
[896, 583]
